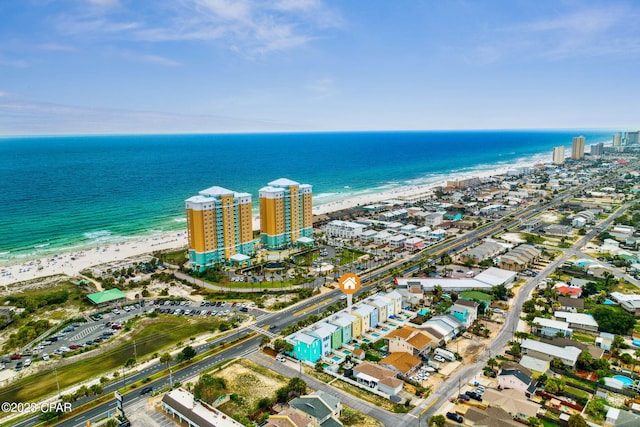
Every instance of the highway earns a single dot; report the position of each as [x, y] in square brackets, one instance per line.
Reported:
[286, 317]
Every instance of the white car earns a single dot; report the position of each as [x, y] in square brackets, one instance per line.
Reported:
[2, 366]
[27, 363]
[45, 356]
[438, 358]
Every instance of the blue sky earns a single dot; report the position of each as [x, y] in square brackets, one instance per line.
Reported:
[130, 66]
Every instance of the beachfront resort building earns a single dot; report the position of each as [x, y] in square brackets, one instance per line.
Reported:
[219, 226]
[558, 155]
[285, 214]
[577, 148]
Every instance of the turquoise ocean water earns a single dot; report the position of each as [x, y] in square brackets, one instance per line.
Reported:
[64, 193]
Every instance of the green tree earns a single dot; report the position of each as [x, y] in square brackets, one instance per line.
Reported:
[534, 422]
[515, 349]
[585, 360]
[437, 421]
[297, 386]
[187, 353]
[264, 341]
[282, 394]
[129, 362]
[319, 367]
[576, 420]
[165, 359]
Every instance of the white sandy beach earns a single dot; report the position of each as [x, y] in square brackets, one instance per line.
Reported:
[72, 263]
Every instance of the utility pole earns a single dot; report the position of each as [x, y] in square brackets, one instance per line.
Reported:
[135, 353]
[55, 370]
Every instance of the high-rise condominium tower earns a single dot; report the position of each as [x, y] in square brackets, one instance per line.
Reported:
[285, 213]
[219, 226]
[577, 148]
[558, 155]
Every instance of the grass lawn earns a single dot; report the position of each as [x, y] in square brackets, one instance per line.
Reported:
[549, 424]
[476, 295]
[624, 288]
[576, 391]
[349, 255]
[151, 335]
[374, 399]
[583, 337]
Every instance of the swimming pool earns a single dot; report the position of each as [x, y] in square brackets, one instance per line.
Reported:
[347, 352]
[626, 381]
[636, 343]
[375, 335]
[336, 358]
[608, 302]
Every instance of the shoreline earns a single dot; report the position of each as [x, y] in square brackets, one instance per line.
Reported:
[70, 263]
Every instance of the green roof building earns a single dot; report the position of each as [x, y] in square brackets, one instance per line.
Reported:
[106, 297]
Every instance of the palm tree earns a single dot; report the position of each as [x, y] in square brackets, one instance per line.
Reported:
[492, 362]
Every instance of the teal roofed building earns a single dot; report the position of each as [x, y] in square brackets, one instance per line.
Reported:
[306, 348]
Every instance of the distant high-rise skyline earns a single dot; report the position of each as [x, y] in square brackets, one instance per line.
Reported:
[285, 213]
[577, 148]
[597, 149]
[558, 155]
[219, 226]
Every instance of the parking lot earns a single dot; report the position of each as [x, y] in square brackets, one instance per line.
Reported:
[101, 327]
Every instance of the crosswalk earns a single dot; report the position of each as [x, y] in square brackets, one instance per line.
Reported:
[261, 331]
[86, 332]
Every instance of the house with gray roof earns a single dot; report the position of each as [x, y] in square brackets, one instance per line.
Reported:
[543, 351]
[321, 406]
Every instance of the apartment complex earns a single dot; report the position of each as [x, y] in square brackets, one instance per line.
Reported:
[577, 148]
[558, 155]
[285, 213]
[219, 226]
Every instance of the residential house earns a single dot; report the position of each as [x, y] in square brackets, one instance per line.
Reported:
[490, 417]
[413, 244]
[543, 351]
[570, 304]
[569, 291]
[408, 340]
[321, 406]
[578, 321]
[466, 311]
[306, 347]
[397, 241]
[344, 324]
[520, 258]
[631, 306]
[377, 377]
[290, 417]
[517, 379]
[485, 250]
[511, 401]
[396, 300]
[535, 365]
[369, 315]
[336, 333]
[344, 229]
[550, 328]
[621, 418]
[323, 333]
[402, 363]
[605, 340]
[382, 304]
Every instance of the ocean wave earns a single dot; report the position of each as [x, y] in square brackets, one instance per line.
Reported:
[325, 195]
[180, 219]
[99, 236]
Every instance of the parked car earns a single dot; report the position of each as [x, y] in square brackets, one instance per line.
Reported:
[463, 397]
[475, 396]
[455, 417]
[27, 362]
[45, 356]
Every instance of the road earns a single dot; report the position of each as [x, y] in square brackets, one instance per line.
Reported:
[286, 317]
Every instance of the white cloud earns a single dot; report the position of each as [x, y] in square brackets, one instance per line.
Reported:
[580, 33]
[322, 88]
[249, 27]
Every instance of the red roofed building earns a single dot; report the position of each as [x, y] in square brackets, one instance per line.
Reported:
[570, 291]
